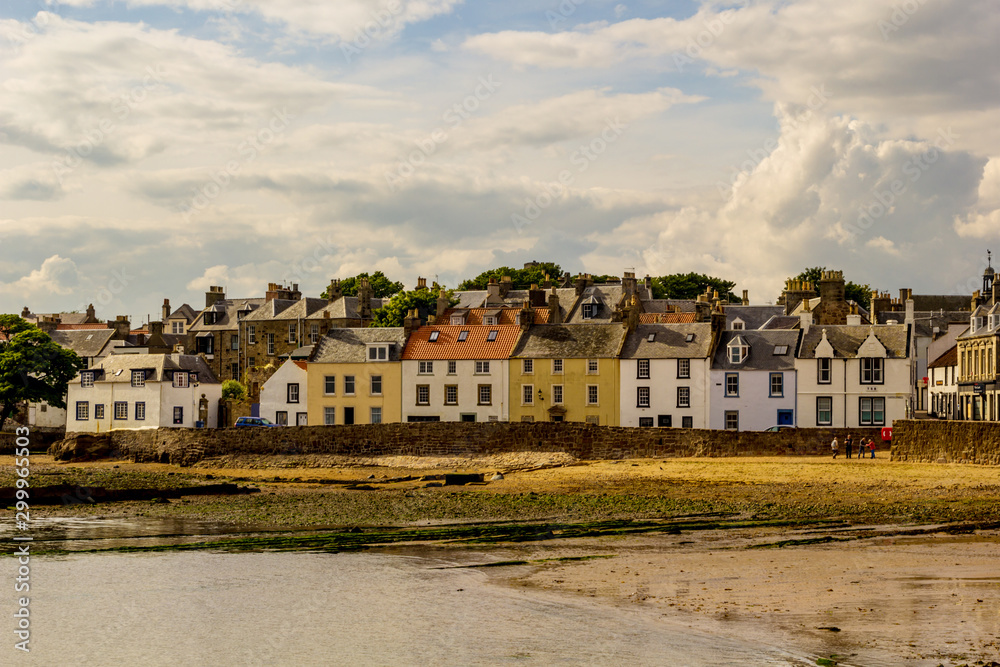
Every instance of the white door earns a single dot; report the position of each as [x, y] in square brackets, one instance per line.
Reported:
[300, 419]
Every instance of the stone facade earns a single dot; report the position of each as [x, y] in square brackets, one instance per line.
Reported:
[946, 442]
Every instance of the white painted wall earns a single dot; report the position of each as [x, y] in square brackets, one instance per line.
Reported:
[274, 393]
[160, 399]
[663, 383]
[758, 410]
[468, 382]
[846, 390]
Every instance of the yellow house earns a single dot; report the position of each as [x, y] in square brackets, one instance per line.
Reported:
[567, 372]
[354, 376]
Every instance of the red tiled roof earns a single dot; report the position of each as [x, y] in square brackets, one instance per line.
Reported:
[949, 358]
[300, 364]
[447, 346]
[507, 315]
[667, 318]
[75, 327]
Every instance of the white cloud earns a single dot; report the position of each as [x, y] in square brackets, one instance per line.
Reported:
[56, 275]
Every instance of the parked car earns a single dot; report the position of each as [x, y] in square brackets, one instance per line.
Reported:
[254, 421]
[775, 429]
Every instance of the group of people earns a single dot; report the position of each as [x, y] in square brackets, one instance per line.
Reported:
[865, 445]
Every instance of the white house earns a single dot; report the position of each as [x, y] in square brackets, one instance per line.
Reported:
[283, 398]
[457, 373]
[854, 375]
[144, 391]
[942, 384]
[665, 372]
[753, 380]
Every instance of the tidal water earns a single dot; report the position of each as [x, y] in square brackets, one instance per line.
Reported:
[371, 608]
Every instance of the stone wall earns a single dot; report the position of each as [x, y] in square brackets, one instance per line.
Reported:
[187, 446]
[40, 440]
[946, 441]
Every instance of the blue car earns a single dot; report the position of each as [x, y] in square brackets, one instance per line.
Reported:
[254, 421]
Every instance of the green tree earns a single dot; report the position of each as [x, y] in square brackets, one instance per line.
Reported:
[33, 367]
[860, 294]
[381, 286]
[519, 278]
[234, 390]
[690, 285]
[423, 299]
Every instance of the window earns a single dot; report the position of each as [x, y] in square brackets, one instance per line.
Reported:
[348, 385]
[492, 335]
[557, 394]
[592, 367]
[234, 342]
[645, 422]
[737, 352]
[482, 367]
[458, 320]
[777, 385]
[178, 414]
[557, 366]
[485, 394]
[451, 394]
[313, 333]
[376, 416]
[292, 333]
[824, 410]
[687, 422]
[871, 370]
[732, 384]
[209, 318]
[423, 394]
[378, 353]
[329, 416]
[683, 368]
[251, 334]
[650, 338]
[270, 343]
[234, 371]
[591, 394]
[780, 350]
[281, 418]
[138, 378]
[121, 410]
[425, 367]
[490, 320]
[452, 367]
[87, 379]
[140, 410]
[592, 419]
[825, 367]
[738, 325]
[376, 385]
[732, 420]
[872, 411]
[642, 397]
[463, 336]
[689, 338]
[528, 366]
[434, 336]
[683, 397]
[177, 327]
[527, 394]
[251, 362]
[468, 417]
[643, 368]
[664, 421]
[292, 392]
[330, 385]
[181, 379]
[82, 410]
[99, 411]
[589, 310]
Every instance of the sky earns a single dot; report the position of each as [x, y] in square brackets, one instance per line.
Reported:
[152, 148]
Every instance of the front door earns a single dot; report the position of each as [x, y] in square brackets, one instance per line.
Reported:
[300, 419]
[785, 418]
[348, 415]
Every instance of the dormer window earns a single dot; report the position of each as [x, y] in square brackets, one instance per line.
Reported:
[378, 352]
[210, 318]
[738, 351]
[138, 378]
[458, 320]
[490, 320]
[589, 311]
[87, 379]
[181, 380]
[738, 325]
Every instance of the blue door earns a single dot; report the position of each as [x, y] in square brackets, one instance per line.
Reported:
[785, 418]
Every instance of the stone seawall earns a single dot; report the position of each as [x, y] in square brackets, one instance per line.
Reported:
[946, 441]
[188, 446]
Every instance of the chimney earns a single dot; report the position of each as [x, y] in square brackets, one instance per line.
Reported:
[48, 324]
[155, 329]
[702, 309]
[805, 319]
[909, 316]
[567, 280]
[629, 283]
[746, 297]
[25, 313]
[995, 293]
[421, 283]
[166, 309]
[536, 297]
[581, 283]
[527, 314]
[854, 318]
[718, 319]
[122, 327]
[334, 291]
[555, 312]
[91, 314]
[214, 294]
[411, 322]
[548, 282]
[365, 295]
[443, 304]
[796, 291]
[493, 292]
[648, 283]
[178, 349]
[505, 286]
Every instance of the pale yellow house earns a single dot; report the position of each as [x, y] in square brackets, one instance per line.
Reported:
[567, 372]
[354, 376]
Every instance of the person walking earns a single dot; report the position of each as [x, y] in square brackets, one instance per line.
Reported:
[835, 446]
[871, 446]
[848, 444]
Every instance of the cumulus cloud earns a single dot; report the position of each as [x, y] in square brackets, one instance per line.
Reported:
[56, 275]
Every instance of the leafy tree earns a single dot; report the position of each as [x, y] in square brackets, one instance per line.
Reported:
[233, 390]
[519, 278]
[424, 299]
[690, 285]
[33, 367]
[381, 286]
[860, 294]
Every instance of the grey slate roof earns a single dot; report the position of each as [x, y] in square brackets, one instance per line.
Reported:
[185, 312]
[228, 309]
[346, 307]
[570, 341]
[945, 302]
[159, 365]
[350, 345]
[606, 297]
[762, 344]
[661, 305]
[753, 317]
[85, 342]
[847, 338]
[669, 341]
[782, 322]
